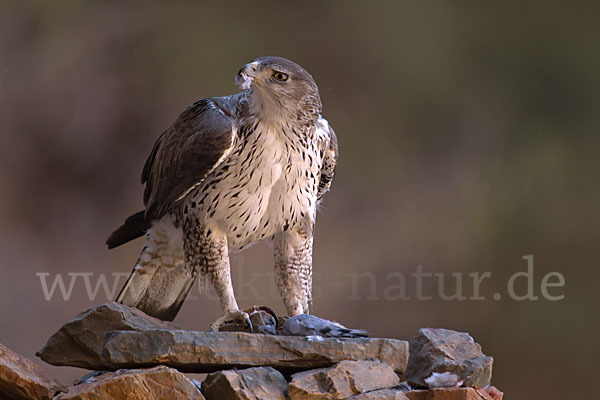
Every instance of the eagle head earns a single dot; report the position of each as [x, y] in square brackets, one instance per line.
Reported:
[279, 89]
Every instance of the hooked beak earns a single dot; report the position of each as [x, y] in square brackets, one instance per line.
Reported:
[247, 75]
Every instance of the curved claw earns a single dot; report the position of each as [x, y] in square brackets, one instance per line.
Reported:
[269, 311]
[250, 327]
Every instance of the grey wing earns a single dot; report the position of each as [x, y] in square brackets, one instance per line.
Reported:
[197, 142]
[330, 155]
[310, 325]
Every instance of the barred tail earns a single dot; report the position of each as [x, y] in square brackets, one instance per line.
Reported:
[159, 282]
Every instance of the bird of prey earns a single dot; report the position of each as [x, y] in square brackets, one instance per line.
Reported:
[230, 172]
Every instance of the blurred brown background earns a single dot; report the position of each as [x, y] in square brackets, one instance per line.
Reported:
[468, 139]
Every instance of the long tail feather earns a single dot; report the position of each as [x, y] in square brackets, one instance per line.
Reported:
[160, 281]
[133, 227]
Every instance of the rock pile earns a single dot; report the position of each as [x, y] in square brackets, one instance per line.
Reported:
[139, 357]
[113, 336]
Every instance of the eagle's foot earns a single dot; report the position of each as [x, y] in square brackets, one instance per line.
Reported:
[262, 320]
[229, 317]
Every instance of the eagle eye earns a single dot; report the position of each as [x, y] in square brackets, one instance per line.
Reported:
[280, 76]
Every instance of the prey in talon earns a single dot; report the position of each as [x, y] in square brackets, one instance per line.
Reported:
[230, 172]
[261, 319]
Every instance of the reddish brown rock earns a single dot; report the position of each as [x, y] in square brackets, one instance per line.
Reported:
[22, 379]
[494, 393]
[79, 342]
[345, 379]
[442, 350]
[382, 394]
[191, 351]
[466, 393]
[135, 384]
[261, 383]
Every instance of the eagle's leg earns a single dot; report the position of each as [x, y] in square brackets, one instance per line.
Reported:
[293, 269]
[207, 251]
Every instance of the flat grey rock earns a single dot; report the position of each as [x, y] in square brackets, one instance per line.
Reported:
[113, 336]
[191, 351]
[79, 341]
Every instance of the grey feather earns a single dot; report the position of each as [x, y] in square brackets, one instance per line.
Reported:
[310, 325]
